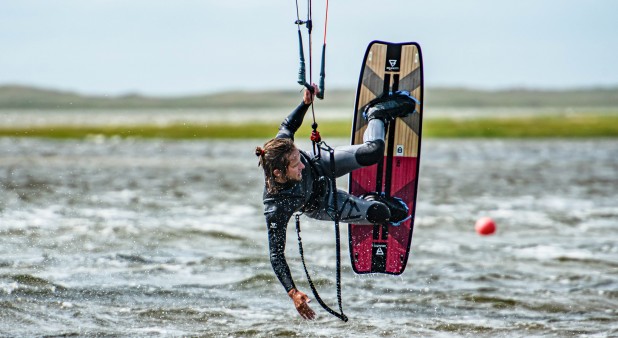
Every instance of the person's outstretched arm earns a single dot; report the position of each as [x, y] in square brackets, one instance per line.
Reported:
[276, 221]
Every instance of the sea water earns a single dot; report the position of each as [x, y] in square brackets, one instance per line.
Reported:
[130, 237]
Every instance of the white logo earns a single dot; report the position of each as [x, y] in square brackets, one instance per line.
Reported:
[393, 67]
[379, 252]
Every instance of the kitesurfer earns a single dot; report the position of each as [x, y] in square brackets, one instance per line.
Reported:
[299, 181]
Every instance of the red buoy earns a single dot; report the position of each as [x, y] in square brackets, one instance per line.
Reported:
[485, 226]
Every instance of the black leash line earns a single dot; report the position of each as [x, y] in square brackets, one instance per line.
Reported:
[336, 218]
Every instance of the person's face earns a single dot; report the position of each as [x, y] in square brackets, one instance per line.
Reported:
[294, 171]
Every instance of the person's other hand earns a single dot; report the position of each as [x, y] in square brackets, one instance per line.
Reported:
[301, 301]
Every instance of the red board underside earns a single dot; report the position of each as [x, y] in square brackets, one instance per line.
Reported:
[384, 248]
[386, 69]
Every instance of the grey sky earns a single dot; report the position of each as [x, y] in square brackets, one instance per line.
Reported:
[110, 47]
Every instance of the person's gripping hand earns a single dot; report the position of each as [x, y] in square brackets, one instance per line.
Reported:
[309, 96]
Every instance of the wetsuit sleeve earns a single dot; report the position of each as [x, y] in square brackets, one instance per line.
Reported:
[290, 125]
[277, 223]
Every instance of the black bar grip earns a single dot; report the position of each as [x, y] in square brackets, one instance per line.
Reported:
[301, 69]
[322, 74]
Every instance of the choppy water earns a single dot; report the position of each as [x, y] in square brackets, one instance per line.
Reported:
[117, 237]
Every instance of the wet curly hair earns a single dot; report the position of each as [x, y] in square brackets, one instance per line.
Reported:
[274, 155]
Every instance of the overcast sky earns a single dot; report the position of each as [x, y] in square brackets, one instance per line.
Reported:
[156, 47]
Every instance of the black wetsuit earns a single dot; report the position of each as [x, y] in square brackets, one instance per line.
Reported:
[313, 194]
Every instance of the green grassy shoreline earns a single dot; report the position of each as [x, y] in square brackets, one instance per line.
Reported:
[578, 126]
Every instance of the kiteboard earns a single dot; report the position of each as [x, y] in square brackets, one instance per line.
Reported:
[387, 68]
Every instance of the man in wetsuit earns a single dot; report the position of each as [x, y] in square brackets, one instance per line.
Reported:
[297, 181]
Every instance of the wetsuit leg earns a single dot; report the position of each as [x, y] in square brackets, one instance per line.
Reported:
[352, 209]
[352, 157]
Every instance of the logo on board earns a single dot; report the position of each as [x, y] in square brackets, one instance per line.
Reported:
[379, 249]
[394, 67]
[399, 151]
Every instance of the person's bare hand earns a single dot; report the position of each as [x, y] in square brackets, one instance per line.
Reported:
[301, 301]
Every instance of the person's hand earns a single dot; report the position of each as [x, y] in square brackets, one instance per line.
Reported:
[300, 302]
[308, 96]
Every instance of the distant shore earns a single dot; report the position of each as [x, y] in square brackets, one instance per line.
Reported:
[449, 112]
[576, 126]
[21, 97]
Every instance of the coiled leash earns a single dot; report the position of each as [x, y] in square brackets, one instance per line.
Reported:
[335, 216]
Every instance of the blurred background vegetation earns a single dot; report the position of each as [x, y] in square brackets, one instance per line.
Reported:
[514, 113]
[20, 97]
